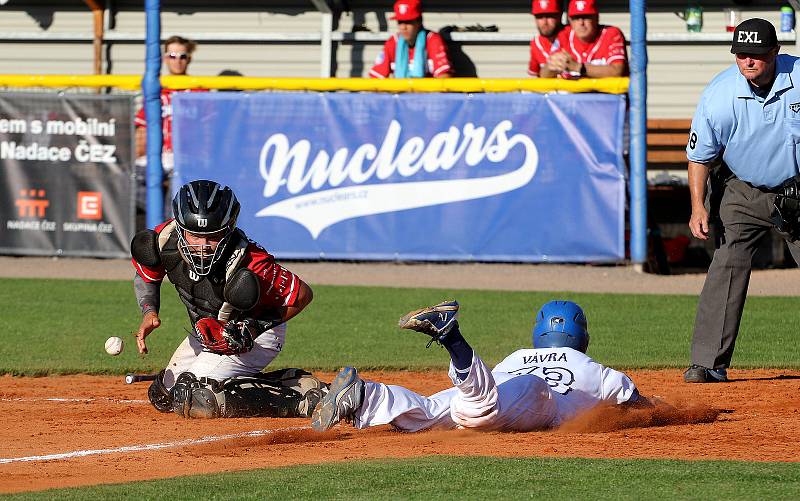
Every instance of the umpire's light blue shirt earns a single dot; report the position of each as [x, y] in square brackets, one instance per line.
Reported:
[759, 138]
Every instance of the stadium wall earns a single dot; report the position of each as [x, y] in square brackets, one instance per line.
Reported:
[677, 72]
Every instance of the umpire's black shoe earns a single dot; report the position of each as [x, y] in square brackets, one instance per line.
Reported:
[700, 374]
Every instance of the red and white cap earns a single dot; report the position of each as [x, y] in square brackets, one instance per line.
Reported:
[407, 10]
[582, 8]
[545, 7]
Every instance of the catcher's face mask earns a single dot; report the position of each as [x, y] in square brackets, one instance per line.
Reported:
[202, 251]
[205, 213]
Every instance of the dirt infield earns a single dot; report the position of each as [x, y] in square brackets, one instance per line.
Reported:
[85, 430]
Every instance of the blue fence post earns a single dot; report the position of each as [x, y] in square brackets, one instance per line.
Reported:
[151, 86]
[638, 128]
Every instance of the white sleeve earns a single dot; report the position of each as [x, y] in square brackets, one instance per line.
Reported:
[617, 388]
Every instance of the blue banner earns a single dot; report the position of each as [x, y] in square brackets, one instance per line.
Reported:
[487, 177]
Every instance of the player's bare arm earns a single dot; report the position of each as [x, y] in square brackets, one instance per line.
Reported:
[556, 64]
[141, 141]
[304, 297]
[150, 322]
[547, 71]
[594, 70]
[604, 71]
[698, 182]
[148, 296]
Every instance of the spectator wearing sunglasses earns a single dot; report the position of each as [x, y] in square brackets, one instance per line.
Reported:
[177, 57]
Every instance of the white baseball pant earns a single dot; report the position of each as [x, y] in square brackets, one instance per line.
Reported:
[483, 400]
[190, 357]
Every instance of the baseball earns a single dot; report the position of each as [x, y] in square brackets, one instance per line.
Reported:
[114, 345]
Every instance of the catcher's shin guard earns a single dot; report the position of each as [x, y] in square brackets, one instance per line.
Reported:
[286, 393]
[159, 395]
[258, 396]
[190, 398]
[312, 389]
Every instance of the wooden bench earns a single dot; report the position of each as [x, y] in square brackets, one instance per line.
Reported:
[666, 156]
[667, 203]
[666, 143]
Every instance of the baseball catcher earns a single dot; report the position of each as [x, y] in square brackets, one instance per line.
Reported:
[238, 299]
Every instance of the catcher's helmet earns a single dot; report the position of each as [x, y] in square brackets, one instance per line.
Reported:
[561, 324]
[206, 209]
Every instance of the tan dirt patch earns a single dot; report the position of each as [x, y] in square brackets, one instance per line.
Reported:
[489, 276]
[755, 417]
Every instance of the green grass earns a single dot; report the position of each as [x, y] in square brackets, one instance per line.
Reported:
[60, 326]
[445, 477]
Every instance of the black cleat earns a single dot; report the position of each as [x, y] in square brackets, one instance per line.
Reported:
[700, 374]
[435, 321]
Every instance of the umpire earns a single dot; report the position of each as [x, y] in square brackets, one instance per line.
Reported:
[749, 118]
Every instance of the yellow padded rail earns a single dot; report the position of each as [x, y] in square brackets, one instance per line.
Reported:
[133, 82]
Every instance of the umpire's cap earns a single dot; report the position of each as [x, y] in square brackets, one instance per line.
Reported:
[754, 36]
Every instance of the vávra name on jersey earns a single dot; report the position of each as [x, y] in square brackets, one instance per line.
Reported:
[545, 357]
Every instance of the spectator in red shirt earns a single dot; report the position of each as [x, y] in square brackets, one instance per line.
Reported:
[177, 56]
[587, 48]
[400, 54]
[548, 22]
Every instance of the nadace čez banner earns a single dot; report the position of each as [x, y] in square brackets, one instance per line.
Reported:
[488, 177]
[65, 174]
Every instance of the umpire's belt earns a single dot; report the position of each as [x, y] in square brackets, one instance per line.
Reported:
[778, 190]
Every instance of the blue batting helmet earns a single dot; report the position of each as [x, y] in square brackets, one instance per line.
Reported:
[561, 324]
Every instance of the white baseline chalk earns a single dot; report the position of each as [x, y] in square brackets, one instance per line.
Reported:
[73, 400]
[150, 447]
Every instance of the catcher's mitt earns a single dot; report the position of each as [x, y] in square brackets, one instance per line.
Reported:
[230, 338]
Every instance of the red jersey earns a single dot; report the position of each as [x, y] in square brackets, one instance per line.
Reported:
[279, 286]
[166, 115]
[541, 48]
[437, 64]
[607, 48]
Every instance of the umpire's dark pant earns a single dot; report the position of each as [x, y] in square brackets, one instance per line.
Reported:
[743, 220]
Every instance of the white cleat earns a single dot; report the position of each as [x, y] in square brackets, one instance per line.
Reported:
[344, 398]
